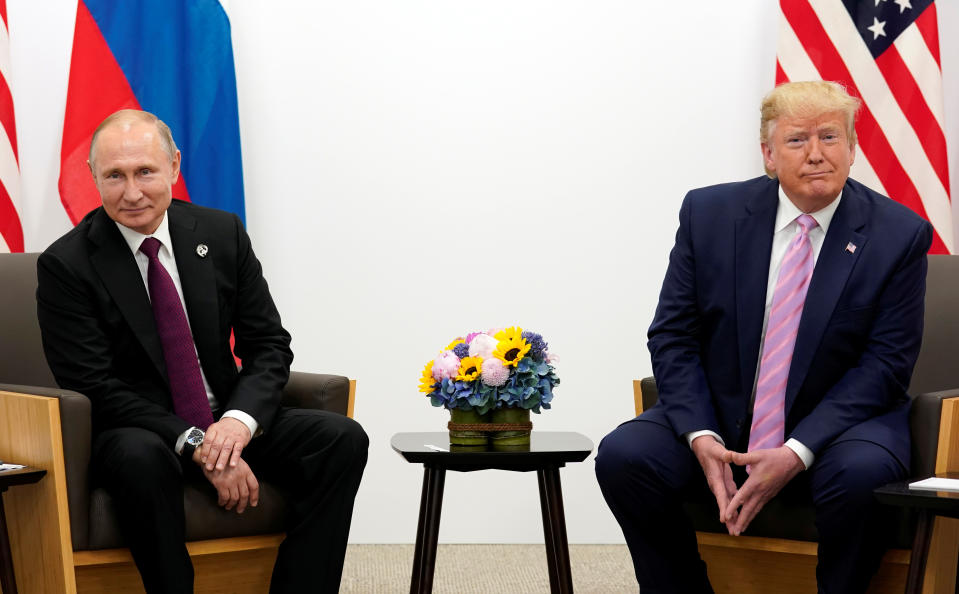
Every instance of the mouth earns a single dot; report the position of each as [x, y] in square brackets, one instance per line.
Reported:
[817, 174]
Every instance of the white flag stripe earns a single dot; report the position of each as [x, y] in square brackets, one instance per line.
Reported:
[792, 56]
[863, 172]
[922, 64]
[875, 92]
[4, 249]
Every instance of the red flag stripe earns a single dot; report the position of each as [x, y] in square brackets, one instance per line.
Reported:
[910, 98]
[928, 26]
[873, 142]
[10, 227]
[6, 115]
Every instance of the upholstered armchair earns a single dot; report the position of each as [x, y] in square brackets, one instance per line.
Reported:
[64, 531]
[779, 553]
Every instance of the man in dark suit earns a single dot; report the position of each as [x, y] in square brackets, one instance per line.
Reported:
[136, 307]
[787, 327]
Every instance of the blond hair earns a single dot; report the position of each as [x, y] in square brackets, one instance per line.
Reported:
[126, 116]
[807, 99]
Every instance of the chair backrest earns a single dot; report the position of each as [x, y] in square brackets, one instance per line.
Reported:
[938, 365]
[21, 353]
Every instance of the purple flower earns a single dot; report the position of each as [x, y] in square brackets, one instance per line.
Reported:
[462, 350]
[538, 346]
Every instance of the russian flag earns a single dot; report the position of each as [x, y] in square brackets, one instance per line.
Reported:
[174, 59]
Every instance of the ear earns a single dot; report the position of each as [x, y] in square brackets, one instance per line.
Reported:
[769, 161]
[176, 167]
[852, 154]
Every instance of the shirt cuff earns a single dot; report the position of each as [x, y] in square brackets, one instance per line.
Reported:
[178, 448]
[244, 418]
[804, 453]
[694, 434]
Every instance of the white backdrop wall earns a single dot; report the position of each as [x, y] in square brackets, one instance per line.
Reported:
[416, 170]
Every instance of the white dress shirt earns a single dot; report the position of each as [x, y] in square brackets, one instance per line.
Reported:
[134, 239]
[784, 231]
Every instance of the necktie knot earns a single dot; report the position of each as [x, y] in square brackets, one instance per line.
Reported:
[150, 247]
[806, 222]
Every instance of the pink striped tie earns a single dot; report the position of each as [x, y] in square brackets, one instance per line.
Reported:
[788, 299]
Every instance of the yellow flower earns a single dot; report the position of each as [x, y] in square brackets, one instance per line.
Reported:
[508, 333]
[470, 368]
[511, 349]
[450, 346]
[427, 382]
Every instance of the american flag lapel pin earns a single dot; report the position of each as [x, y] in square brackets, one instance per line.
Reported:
[851, 247]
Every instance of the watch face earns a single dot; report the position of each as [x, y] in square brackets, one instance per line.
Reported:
[195, 437]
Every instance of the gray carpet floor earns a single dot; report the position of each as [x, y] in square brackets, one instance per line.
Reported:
[487, 569]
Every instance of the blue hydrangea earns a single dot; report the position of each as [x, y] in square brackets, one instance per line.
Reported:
[538, 346]
[462, 350]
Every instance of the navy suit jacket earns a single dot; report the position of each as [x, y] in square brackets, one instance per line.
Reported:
[100, 338]
[859, 334]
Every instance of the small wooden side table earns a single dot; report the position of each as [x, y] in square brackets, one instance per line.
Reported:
[10, 478]
[929, 504]
[547, 453]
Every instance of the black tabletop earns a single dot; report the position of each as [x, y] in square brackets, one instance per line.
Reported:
[944, 503]
[547, 448]
[20, 476]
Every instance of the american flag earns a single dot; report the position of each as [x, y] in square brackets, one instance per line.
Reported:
[886, 52]
[11, 232]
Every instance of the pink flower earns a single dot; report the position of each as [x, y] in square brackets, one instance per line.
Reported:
[494, 373]
[446, 365]
[483, 346]
[471, 336]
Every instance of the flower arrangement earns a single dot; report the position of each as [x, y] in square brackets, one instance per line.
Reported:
[483, 371]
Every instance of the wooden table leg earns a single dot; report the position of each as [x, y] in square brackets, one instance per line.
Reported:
[554, 529]
[8, 584]
[920, 552]
[428, 529]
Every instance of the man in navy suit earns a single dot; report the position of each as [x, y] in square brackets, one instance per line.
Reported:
[843, 428]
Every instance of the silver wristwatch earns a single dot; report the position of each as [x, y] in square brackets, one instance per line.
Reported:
[194, 438]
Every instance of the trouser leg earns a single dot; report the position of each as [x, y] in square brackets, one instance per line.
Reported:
[854, 530]
[645, 472]
[145, 480]
[319, 458]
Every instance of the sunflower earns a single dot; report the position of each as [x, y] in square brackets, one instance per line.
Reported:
[508, 333]
[510, 349]
[455, 342]
[427, 382]
[470, 368]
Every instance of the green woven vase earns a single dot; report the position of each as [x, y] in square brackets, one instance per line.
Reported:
[467, 437]
[519, 437]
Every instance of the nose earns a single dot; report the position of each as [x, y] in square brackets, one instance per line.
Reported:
[131, 191]
[814, 154]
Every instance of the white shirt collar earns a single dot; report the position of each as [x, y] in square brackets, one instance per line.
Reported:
[787, 212]
[135, 238]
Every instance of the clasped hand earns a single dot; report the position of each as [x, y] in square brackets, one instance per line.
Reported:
[219, 459]
[769, 471]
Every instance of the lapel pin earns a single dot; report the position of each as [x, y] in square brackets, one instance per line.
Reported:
[202, 250]
[850, 247]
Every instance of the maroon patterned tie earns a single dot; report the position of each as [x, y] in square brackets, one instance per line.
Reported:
[190, 401]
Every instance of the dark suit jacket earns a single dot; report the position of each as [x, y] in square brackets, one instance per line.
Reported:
[859, 334]
[100, 338]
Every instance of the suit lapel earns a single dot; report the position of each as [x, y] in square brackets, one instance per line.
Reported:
[829, 278]
[117, 268]
[198, 280]
[754, 237]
